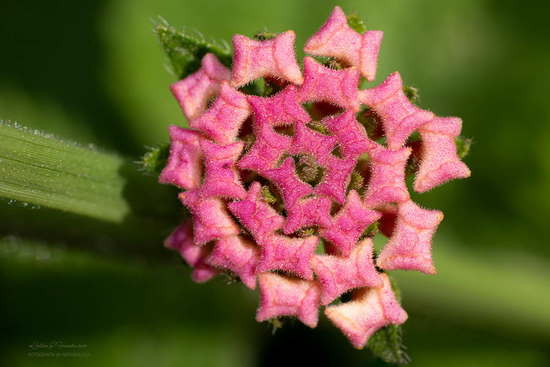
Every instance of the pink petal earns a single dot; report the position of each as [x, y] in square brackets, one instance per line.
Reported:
[283, 296]
[338, 275]
[314, 211]
[182, 240]
[387, 180]
[203, 273]
[399, 116]
[267, 150]
[257, 59]
[260, 219]
[180, 236]
[288, 183]
[410, 246]
[237, 255]
[322, 84]
[439, 162]
[210, 218]
[222, 121]
[337, 39]
[311, 142]
[336, 178]
[370, 310]
[350, 134]
[193, 92]
[221, 177]
[368, 54]
[183, 168]
[292, 255]
[280, 109]
[348, 225]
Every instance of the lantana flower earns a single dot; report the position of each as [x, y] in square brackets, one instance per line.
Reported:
[285, 188]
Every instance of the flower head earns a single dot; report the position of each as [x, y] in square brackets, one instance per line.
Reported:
[283, 187]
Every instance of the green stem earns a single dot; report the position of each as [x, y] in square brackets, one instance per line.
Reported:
[41, 170]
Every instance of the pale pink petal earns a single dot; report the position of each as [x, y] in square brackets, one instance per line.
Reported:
[335, 36]
[284, 296]
[237, 255]
[312, 211]
[387, 178]
[399, 116]
[337, 39]
[439, 161]
[323, 84]
[410, 247]
[368, 54]
[182, 240]
[288, 254]
[338, 275]
[256, 59]
[370, 310]
[222, 121]
[348, 224]
[203, 273]
[221, 178]
[183, 168]
[193, 92]
[260, 219]
[180, 236]
[211, 221]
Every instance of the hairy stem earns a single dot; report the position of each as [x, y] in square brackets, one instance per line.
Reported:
[41, 170]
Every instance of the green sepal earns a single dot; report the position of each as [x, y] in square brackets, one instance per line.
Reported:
[155, 159]
[463, 146]
[356, 23]
[387, 343]
[412, 93]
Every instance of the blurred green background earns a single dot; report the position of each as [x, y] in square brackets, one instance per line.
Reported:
[93, 71]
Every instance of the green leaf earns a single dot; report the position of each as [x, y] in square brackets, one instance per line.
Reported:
[185, 49]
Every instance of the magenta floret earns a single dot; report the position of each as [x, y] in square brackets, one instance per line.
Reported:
[285, 189]
[348, 225]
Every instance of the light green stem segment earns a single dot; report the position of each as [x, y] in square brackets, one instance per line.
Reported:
[45, 171]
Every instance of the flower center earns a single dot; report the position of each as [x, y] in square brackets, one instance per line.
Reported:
[308, 170]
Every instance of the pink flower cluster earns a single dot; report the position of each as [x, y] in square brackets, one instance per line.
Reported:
[243, 153]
